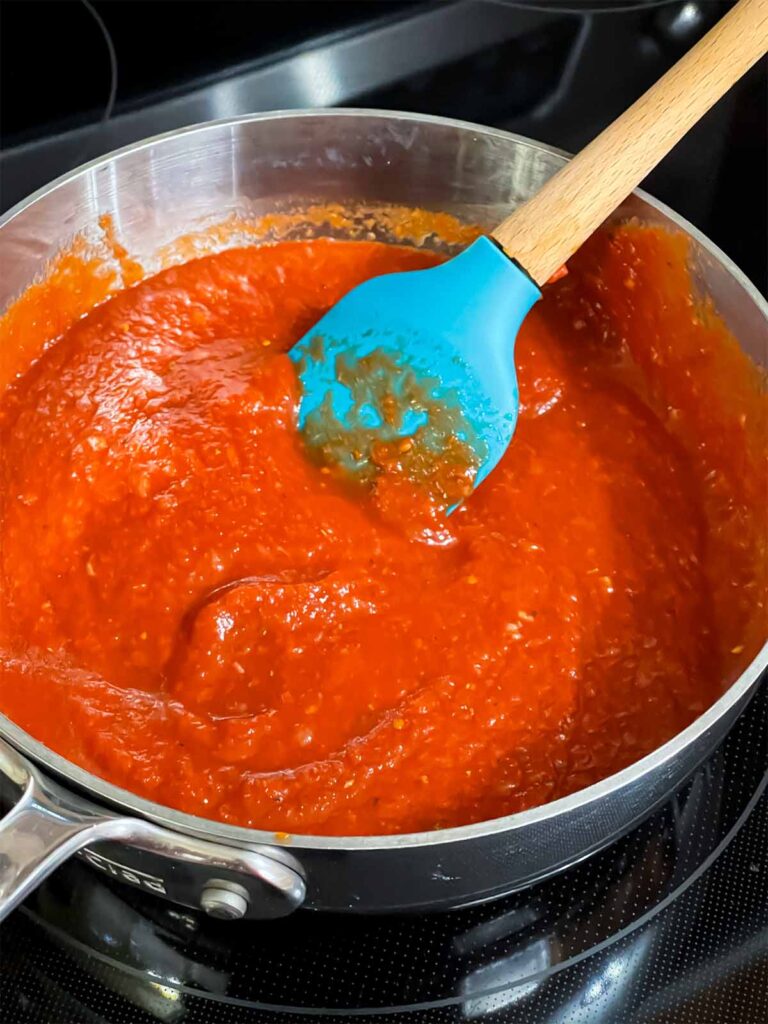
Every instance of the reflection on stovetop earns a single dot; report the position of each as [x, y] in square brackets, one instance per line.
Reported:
[679, 902]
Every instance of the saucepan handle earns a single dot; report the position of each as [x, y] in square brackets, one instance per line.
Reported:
[48, 824]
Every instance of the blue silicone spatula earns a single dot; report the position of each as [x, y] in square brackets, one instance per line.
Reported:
[430, 353]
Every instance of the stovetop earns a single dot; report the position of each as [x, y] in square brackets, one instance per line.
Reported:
[669, 925]
[554, 70]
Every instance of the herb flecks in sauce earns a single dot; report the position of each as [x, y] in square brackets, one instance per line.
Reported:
[193, 609]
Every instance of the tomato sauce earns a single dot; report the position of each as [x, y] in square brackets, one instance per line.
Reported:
[196, 611]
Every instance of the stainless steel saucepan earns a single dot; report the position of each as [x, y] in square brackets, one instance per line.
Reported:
[156, 191]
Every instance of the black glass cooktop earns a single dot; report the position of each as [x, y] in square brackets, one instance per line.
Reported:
[668, 925]
[555, 70]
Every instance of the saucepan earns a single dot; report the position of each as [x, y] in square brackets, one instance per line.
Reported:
[174, 185]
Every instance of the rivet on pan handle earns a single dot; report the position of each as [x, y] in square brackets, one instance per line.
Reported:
[48, 824]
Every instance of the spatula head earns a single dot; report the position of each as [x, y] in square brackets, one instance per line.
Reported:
[425, 356]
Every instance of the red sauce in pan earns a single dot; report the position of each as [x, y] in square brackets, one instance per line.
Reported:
[195, 611]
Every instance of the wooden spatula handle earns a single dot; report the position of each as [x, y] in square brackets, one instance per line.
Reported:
[546, 230]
